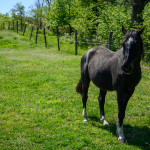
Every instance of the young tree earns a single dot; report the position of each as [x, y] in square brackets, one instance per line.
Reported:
[37, 12]
[47, 10]
[18, 10]
[60, 13]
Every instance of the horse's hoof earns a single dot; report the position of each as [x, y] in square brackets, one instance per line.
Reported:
[122, 141]
[85, 120]
[105, 123]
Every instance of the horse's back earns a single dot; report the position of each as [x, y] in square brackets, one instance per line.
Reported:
[98, 52]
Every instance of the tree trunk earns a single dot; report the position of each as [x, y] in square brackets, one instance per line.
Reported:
[137, 8]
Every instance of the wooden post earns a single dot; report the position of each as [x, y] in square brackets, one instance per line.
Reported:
[58, 38]
[45, 38]
[31, 32]
[17, 26]
[36, 35]
[75, 42]
[13, 25]
[21, 24]
[9, 25]
[24, 29]
[109, 42]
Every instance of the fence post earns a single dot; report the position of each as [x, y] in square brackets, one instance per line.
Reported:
[75, 42]
[36, 35]
[17, 26]
[24, 29]
[21, 23]
[58, 38]
[45, 38]
[31, 32]
[109, 42]
[9, 25]
[13, 25]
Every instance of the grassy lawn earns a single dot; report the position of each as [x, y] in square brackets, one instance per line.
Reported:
[39, 108]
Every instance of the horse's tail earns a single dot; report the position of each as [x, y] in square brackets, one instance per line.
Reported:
[79, 87]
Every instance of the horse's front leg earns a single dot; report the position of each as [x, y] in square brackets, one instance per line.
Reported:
[122, 98]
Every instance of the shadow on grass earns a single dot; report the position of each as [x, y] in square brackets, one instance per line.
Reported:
[135, 135]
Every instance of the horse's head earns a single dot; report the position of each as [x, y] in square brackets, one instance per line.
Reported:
[132, 49]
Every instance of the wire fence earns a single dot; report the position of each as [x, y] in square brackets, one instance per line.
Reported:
[46, 37]
[19, 26]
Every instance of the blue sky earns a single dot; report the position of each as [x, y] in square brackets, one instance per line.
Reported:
[7, 5]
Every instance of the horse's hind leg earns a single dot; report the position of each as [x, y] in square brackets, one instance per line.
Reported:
[101, 105]
[85, 86]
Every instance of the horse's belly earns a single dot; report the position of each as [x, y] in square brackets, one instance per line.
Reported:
[103, 81]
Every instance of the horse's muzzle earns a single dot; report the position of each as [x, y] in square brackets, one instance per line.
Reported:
[127, 69]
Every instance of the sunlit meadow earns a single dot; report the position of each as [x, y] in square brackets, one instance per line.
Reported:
[40, 109]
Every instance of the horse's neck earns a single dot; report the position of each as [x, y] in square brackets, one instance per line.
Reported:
[119, 54]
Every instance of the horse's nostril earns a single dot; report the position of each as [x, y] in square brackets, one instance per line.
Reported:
[126, 70]
[130, 68]
[122, 68]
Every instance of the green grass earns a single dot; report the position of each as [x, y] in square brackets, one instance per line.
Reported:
[39, 108]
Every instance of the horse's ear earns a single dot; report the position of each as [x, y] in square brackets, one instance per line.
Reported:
[124, 30]
[139, 32]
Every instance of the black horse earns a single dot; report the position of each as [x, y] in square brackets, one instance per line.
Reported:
[109, 71]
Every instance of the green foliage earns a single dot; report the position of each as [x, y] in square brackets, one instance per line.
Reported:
[60, 13]
[111, 19]
[4, 19]
[146, 35]
[84, 22]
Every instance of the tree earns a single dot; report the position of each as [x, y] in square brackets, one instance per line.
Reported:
[60, 13]
[137, 9]
[18, 9]
[47, 10]
[37, 12]
[84, 20]
[111, 19]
